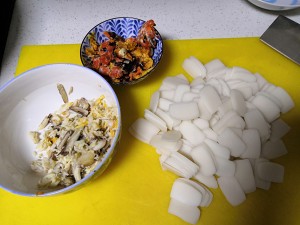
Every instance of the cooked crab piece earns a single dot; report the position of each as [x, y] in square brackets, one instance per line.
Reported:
[146, 62]
[116, 72]
[144, 56]
[107, 48]
[113, 36]
[147, 34]
[130, 43]
[136, 74]
[93, 43]
[123, 53]
[123, 48]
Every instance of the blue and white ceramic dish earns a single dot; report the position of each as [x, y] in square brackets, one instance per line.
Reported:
[276, 5]
[125, 27]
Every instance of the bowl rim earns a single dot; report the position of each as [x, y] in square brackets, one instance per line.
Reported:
[273, 6]
[106, 156]
[123, 83]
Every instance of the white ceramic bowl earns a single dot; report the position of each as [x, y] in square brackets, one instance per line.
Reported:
[25, 101]
[276, 5]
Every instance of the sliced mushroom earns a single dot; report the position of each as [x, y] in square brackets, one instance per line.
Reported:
[74, 137]
[83, 103]
[64, 140]
[63, 93]
[45, 122]
[79, 110]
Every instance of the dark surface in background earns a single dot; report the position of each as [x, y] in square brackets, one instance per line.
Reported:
[284, 36]
[6, 11]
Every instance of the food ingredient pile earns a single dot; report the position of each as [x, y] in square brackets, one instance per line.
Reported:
[122, 60]
[71, 141]
[221, 129]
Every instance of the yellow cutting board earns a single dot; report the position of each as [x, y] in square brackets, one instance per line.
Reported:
[134, 190]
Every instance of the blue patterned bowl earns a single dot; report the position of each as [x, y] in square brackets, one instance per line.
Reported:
[276, 5]
[125, 27]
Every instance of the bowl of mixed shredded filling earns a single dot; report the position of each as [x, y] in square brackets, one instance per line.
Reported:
[124, 50]
[59, 128]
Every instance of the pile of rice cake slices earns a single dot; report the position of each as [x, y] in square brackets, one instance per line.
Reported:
[221, 129]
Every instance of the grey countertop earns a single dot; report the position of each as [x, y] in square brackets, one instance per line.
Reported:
[41, 22]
